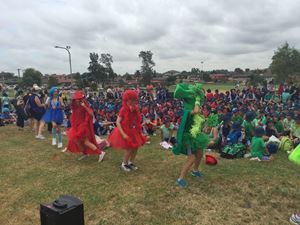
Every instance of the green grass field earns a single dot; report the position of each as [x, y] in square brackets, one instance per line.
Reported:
[234, 192]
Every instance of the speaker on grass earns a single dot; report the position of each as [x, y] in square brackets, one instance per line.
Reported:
[66, 210]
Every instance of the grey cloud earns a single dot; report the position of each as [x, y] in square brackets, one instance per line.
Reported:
[227, 34]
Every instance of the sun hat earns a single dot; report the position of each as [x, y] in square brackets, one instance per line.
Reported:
[234, 110]
[211, 160]
[36, 87]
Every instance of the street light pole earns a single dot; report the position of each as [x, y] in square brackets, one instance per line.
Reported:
[202, 69]
[67, 48]
[19, 75]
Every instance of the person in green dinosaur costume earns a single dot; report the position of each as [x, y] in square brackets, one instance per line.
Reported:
[191, 141]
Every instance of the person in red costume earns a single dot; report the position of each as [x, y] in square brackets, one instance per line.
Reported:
[128, 134]
[81, 136]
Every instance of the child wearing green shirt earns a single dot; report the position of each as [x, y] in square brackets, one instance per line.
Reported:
[260, 120]
[288, 122]
[248, 125]
[258, 146]
[278, 124]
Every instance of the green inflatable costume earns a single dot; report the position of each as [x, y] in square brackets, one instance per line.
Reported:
[190, 137]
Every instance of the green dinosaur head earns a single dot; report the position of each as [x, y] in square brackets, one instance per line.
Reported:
[190, 94]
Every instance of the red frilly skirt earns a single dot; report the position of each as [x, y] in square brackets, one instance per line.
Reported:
[76, 138]
[136, 139]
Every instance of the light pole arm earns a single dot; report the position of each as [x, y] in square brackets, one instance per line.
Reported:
[67, 48]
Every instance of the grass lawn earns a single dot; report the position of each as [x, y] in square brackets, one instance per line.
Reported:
[233, 192]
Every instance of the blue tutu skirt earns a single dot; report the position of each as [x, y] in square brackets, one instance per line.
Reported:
[47, 117]
[57, 116]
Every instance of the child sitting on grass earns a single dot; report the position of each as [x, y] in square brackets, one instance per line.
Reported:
[7, 117]
[258, 147]
[166, 131]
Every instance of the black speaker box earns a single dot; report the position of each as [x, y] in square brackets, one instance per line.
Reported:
[66, 210]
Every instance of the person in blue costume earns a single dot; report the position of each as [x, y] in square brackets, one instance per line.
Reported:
[191, 141]
[55, 115]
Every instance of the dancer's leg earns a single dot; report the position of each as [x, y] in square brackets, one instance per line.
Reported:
[41, 127]
[132, 155]
[59, 134]
[187, 166]
[90, 144]
[198, 158]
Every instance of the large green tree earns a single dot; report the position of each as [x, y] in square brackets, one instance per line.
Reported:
[106, 60]
[147, 71]
[195, 71]
[100, 68]
[96, 70]
[31, 76]
[256, 79]
[206, 77]
[285, 62]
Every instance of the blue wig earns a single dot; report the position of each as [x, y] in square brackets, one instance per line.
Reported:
[51, 92]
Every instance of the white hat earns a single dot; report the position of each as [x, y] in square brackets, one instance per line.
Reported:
[36, 87]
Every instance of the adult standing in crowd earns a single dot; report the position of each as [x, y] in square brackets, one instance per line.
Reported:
[37, 109]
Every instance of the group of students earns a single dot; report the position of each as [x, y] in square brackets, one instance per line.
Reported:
[236, 118]
[200, 119]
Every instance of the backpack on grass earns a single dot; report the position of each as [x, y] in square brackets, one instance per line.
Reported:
[233, 151]
[286, 144]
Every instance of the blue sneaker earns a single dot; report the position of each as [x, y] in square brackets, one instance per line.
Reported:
[181, 182]
[197, 174]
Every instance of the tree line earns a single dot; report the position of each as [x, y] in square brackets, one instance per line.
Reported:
[285, 63]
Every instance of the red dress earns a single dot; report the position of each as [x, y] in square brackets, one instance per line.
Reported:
[131, 124]
[81, 129]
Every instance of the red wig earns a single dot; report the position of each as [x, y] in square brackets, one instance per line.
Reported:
[130, 95]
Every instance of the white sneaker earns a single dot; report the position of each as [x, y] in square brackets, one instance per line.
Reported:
[101, 156]
[125, 167]
[65, 149]
[132, 166]
[82, 157]
[53, 141]
[41, 137]
[255, 159]
[60, 145]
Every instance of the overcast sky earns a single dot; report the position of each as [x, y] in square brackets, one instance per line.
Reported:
[181, 33]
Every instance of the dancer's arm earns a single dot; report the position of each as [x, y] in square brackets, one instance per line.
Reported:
[124, 135]
[89, 110]
[62, 104]
[196, 109]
